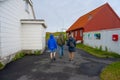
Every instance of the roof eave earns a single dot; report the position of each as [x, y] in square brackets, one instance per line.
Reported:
[33, 21]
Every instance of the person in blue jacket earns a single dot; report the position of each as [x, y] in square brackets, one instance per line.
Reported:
[52, 46]
[71, 43]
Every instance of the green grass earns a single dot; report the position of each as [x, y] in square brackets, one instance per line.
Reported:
[22, 54]
[18, 56]
[98, 51]
[111, 72]
[1, 66]
[37, 52]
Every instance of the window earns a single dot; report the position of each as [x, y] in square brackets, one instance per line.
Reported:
[89, 36]
[72, 34]
[90, 17]
[81, 33]
[76, 33]
[97, 35]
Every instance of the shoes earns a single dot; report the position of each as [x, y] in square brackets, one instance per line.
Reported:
[51, 60]
[70, 59]
[54, 59]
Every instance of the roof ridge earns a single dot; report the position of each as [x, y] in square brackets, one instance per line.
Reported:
[113, 11]
[92, 12]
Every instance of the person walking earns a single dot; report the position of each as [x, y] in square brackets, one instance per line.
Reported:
[52, 46]
[71, 43]
[61, 43]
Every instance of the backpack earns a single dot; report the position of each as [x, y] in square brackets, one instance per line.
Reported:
[60, 41]
[72, 44]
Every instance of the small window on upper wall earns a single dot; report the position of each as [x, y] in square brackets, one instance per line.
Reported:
[97, 36]
[26, 6]
[90, 16]
[89, 35]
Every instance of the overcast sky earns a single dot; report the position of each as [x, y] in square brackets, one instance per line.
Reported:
[61, 14]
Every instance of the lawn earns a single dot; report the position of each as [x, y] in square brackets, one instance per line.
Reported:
[98, 52]
[111, 72]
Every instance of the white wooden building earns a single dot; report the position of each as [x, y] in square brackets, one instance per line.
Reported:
[19, 30]
[33, 34]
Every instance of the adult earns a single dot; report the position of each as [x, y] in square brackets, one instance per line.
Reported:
[71, 43]
[52, 46]
[61, 43]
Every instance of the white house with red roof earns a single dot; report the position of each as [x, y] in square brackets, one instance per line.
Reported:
[19, 30]
[99, 28]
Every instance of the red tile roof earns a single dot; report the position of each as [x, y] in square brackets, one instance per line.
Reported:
[91, 18]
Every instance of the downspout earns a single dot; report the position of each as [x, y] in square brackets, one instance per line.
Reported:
[33, 12]
[31, 4]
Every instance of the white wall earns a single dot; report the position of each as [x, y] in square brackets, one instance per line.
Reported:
[33, 37]
[11, 12]
[43, 37]
[105, 41]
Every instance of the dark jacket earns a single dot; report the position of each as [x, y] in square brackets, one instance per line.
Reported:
[52, 44]
[71, 49]
[61, 40]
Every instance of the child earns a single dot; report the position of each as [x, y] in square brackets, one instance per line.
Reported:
[52, 45]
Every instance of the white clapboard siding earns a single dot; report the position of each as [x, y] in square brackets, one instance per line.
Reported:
[32, 36]
[105, 41]
[11, 12]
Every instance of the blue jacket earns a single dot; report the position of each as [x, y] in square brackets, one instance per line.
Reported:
[52, 44]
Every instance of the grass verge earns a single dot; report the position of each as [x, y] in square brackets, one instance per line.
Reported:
[111, 72]
[37, 52]
[1, 66]
[98, 52]
[18, 56]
